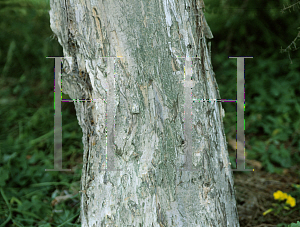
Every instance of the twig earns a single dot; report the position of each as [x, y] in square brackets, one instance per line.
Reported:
[288, 7]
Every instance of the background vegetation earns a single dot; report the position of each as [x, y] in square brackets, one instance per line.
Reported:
[271, 82]
[32, 197]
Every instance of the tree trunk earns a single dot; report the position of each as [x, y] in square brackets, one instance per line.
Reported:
[147, 101]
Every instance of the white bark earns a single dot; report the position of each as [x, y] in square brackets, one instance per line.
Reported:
[150, 35]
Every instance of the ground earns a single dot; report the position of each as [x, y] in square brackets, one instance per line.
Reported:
[254, 195]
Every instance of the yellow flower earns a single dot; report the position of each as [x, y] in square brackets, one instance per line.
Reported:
[291, 201]
[279, 195]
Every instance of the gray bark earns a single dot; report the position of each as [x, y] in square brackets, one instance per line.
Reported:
[149, 114]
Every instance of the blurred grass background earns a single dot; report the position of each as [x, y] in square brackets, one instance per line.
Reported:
[26, 111]
[32, 197]
[272, 83]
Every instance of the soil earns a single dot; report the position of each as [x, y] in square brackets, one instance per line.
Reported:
[254, 195]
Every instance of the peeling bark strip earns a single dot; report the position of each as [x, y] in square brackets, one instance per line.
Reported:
[150, 111]
[188, 114]
[57, 118]
[110, 112]
[240, 102]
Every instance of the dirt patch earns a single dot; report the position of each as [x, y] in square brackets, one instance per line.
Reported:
[254, 195]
